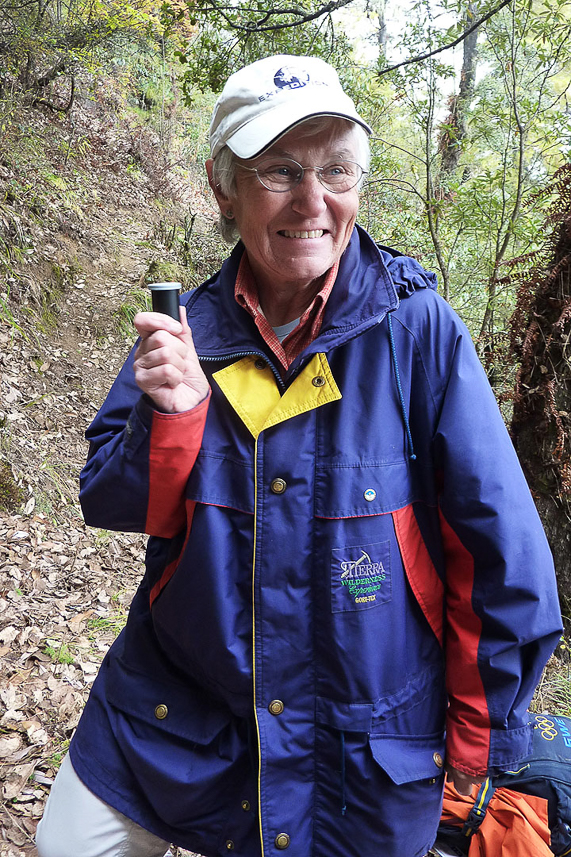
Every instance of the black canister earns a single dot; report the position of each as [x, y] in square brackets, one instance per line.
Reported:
[165, 298]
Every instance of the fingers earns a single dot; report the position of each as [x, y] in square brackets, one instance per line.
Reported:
[183, 319]
[150, 322]
[161, 334]
[161, 358]
[166, 365]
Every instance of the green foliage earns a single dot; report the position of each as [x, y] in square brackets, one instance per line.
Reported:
[58, 754]
[518, 132]
[554, 690]
[50, 297]
[113, 624]
[60, 654]
[7, 316]
[163, 271]
[46, 39]
[227, 37]
[137, 300]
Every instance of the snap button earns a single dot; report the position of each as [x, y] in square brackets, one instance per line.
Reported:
[276, 706]
[318, 381]
[278, 486]
[245, 805]
[370, 494]
[282, 841]
[260, 364]
[438, 760]
[161, 712]
[229, 845]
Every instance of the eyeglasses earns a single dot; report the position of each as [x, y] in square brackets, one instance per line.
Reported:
[282, 174]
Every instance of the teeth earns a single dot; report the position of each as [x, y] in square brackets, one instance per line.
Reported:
[313, 233]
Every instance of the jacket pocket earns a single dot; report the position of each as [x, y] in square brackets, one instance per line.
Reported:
[415, 708]
[219, 480]
[387, 787]
[348, 491]
[356, 489]
[403, 741]
[181, 711]
[408, 760]
[187, 751]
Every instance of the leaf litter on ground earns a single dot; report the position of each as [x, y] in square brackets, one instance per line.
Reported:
[65, 589]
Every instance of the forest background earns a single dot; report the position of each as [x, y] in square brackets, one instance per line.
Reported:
[104, 110]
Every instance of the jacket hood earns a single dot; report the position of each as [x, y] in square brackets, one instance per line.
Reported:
[407, 274]
[370, 282]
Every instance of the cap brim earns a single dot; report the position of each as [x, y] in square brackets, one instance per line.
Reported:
[256, 136]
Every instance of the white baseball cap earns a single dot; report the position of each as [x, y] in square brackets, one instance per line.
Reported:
[264, 100]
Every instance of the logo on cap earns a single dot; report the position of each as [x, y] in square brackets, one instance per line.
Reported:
[288, 78]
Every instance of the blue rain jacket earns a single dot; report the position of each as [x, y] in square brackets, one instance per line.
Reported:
[346, 580]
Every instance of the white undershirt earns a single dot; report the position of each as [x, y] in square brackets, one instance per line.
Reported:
[283, 330]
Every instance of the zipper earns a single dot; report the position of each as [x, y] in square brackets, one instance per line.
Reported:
[254, 676]
[234, 356]
[240, 354]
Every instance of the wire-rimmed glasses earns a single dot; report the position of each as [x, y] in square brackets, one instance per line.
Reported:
[282, 174]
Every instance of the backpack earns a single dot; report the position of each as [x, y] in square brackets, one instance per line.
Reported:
[545, 773]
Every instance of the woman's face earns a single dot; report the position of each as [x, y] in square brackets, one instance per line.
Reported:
[293, 238]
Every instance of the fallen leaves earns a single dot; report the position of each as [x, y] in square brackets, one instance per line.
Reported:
[61, 606]
[64, 589]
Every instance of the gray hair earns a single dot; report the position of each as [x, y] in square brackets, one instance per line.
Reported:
[224, 167]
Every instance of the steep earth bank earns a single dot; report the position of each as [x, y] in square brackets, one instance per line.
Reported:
[65, 588]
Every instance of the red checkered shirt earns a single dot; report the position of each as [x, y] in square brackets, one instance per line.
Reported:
[309, 325]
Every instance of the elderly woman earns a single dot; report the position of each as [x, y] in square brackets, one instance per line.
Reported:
[347, 589]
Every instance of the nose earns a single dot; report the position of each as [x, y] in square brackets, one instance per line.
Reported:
[308, 197]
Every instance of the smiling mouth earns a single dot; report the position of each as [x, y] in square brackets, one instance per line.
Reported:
[313, 233]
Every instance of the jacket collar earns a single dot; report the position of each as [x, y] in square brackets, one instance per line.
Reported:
[362, 295]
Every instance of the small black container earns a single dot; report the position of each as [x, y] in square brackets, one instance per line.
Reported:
[165, 298]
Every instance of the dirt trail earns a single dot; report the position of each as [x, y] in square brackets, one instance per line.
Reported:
[64, 588]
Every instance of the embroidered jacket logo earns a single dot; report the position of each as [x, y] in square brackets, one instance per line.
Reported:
[360, 568]
[363, 578]
[360, 576]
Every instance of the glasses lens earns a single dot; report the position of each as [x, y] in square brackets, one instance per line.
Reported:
[340, 176]
[283, 174]
[279, 174]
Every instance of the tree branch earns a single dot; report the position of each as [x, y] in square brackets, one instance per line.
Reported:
[260, 27]
[453, 44]
[41, 102]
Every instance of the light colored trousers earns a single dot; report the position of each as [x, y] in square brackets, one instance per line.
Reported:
[78, 824]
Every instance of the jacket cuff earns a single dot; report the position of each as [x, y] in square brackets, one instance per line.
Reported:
[175, 441]
[507, 747]
[152, 407]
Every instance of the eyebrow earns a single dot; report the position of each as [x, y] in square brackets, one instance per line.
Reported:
[342, 154]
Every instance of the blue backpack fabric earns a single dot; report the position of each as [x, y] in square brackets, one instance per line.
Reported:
[545, 773]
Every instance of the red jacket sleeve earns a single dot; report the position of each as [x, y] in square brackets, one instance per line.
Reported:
[139, 461]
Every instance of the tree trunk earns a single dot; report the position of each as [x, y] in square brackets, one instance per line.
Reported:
[455, 127]
[382, 33]
[541, 423]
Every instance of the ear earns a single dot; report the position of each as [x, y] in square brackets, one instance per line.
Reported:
[224, 202]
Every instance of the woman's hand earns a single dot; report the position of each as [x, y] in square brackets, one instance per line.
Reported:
[462, 782]
[166, 365]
